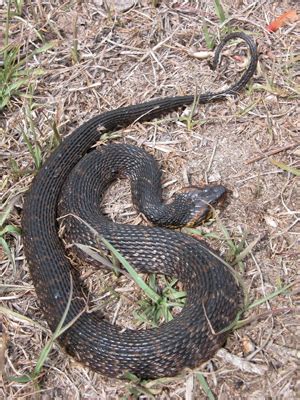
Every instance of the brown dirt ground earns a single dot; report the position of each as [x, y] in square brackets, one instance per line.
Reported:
[128, 58]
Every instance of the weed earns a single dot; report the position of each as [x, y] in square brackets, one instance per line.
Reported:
[14, 75]
[235, 248]
[270, 296]
[7, 229]
[18, 6]
[220, 11]
[136, 387]
[150, 388]
[249, 108]
[35, 151]
[55, 137]
[188, 118]
[209, 39]
[170, 298]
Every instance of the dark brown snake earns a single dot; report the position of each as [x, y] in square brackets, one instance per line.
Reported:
[213, 295]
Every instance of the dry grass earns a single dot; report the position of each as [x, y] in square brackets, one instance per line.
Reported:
[97, 61]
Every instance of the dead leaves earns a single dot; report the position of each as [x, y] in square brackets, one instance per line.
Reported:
[283, 19]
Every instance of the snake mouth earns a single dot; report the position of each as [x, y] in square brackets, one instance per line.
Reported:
[204, 200]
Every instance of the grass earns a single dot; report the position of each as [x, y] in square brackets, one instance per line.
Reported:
[237, 251]
[204, 385]
[287, 168]
[35, 375]
[30, 137]
[220, 11]
[15, 77]
[154, 312]
[15, 315]
[168, 70]
[6, 230]
[210, 38]
[188, 118]
[157, 308]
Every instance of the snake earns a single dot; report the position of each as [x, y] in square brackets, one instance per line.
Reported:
[72, 180]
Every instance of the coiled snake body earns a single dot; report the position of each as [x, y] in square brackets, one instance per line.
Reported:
[212, 292]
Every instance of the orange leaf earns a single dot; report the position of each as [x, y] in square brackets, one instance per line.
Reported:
[283, 19]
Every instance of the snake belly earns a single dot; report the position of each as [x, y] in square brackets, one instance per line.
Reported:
[213, 296]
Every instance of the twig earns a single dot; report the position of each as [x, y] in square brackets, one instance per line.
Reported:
[210, 162]
[242, 364]
[271, 152]
[265, 314]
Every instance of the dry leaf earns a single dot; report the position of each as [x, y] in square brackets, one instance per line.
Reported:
[119, 5]
[248, 345]
[283, 19]
[202, 54]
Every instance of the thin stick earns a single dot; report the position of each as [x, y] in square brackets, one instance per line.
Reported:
[271, 152]
[210, 162]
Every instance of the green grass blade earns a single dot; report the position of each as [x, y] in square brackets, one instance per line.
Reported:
[204, 386]
[220, 10]
[244, 253]
[10, 229]
[210, 43]
[44, 48]
[200, 232]
[270, 296]
[35, 151]
[176, 294]
[6, 249]
[287, 168]
[5, 214]
[20, 379]
[13, 314]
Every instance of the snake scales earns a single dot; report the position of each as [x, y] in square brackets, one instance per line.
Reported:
[212, 292]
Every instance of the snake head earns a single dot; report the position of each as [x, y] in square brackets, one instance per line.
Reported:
[203, 199]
